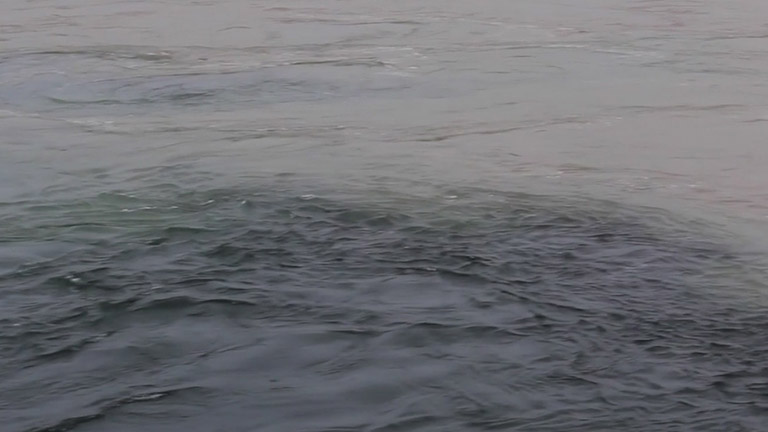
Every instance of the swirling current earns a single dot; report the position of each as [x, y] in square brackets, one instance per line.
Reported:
[336, 216]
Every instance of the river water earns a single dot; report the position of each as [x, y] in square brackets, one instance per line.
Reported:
[327, 215]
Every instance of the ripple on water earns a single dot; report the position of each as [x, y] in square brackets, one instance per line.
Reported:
[93, 81]
[482, 311]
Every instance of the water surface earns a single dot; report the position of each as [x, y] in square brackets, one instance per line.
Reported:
[356, 216]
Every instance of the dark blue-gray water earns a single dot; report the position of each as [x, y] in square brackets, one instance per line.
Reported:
[330, 216]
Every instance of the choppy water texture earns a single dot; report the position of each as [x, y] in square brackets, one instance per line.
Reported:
[383, 216]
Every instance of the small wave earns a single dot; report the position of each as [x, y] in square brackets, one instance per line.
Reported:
[463, 295]
[71, 423]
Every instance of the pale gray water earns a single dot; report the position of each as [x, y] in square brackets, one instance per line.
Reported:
[383, 216]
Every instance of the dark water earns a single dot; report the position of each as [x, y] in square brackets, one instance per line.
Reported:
[331, 216]
[269, 309]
